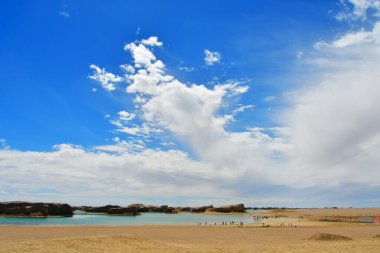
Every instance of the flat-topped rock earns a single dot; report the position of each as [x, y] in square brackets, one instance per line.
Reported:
[228, 209]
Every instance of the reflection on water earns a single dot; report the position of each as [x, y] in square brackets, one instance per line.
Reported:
[143, 219]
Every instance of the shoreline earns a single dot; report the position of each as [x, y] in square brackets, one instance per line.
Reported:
[300, 237]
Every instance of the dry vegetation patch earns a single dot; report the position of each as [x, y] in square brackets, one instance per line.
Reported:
[329, 237]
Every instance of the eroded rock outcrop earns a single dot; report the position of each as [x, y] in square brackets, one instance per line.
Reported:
[100, 209]
[132, 211]
[228, 209]
[200, 209]
[149, 208]
[141, 208]
[182, 209]
[19, 208]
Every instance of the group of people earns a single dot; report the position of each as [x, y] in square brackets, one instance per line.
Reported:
[283, 224]
[223, 223]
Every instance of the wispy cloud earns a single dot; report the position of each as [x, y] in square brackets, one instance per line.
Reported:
[242, 109]
[353, 10]
[3, 144]
[353, 38]
[212, 57]
[269, 99]
[186, 69]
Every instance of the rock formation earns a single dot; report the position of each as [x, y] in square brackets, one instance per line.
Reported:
[228, 209]
[141, 208]
[182, 209]
[157, 209]
[123, 211]
[200, 209]
[100, 209]
[18, 208]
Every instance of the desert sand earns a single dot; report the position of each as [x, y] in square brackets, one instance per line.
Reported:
[305, 235]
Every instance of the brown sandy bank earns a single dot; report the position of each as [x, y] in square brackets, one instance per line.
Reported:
[186, 239]
[322, 212]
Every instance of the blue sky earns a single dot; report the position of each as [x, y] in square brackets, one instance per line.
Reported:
[272, 118]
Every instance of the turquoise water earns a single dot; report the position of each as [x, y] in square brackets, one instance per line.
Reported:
[256, 211]
[143, 219]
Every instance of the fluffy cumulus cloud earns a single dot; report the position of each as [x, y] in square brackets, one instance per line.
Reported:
[106, 79]
[126, 116]
[327, 138]
[188, 112]
[152, 41]
[212, 57]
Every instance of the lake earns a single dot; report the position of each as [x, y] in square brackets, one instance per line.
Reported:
[143, 219]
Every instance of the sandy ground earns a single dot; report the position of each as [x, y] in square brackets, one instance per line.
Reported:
[317, 212]
[195, 239]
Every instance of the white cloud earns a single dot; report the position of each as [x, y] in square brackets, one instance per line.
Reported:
[126, 116]
[312, 146]
[242, 109]
[333, 125]
[328, 137]
[190, 113]
[212, 57]
[101, 173]
[127, 68]
[122, 147]
[123, 126]
[141, 55]
[152, 41]
[140, 99]
[354, 38]
[106, 79]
